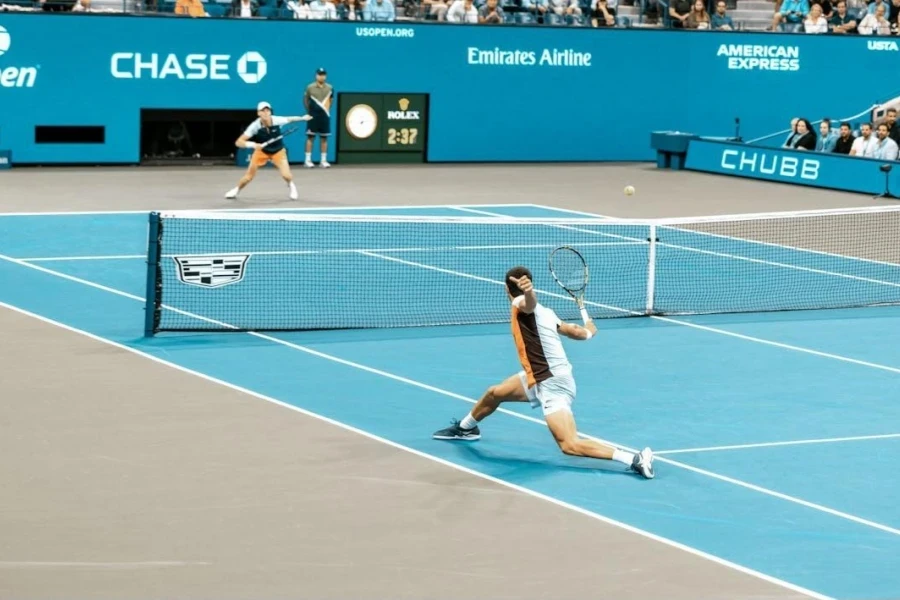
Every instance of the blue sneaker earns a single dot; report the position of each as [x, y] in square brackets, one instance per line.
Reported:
[455, 432]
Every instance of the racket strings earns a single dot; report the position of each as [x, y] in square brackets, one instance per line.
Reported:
[569, 269]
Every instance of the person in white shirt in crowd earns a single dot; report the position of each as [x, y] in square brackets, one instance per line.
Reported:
[244, 9]
[565, 7]
[462, 11]
[379, 10]
[815, 22]
[877, 23]
[300, 8]
[885, 148]
[864, 145]
[322, 10]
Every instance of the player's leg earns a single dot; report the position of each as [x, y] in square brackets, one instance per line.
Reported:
[512, 389]
[280, 160]
[323, 146]
[310, 137]
[556, 396]
[255, 160]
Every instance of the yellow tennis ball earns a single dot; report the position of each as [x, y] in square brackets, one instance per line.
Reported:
[629, 190]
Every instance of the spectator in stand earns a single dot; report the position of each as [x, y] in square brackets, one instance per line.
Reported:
[844, 142]
[827, 137]
[565, 7]
[434, 8]
[805, 139]
[885, 147]
[300, 8]
[877, 23]
[865, 143]
[602, 14]
[490, 13]
[350, 10]
[815, 22]
[873, 6]
[890, 118]
[792, 136]
[322, 10]
[379, 10]
[538, 7]
[192, 8]
[720, 20]
[462, 11]
[698, 17]
[842, 21]
[679, 10]
[792, 12]
[244, 9]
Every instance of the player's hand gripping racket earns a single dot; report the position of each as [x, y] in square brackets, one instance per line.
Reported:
[570, 271]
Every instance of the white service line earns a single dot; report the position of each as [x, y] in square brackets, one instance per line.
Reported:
[374, 371]
[854, 438]
[298, 209]
[593, 515]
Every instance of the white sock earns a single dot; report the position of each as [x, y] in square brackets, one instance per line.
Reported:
[469, 422]
[623, 457]
[309, 157]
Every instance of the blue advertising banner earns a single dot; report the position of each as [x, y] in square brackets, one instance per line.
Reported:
[817, 169]
[511, 93]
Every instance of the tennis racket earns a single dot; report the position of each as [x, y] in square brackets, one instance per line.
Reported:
[285, 133]
[570, 271]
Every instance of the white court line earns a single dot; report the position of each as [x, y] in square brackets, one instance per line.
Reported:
[722, 254]
[412, 382]
[854, 438]
[147, 564]
[313, 209]
[593, 515]
[332, 251]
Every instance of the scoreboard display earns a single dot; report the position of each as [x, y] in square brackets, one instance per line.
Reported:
[382, 128]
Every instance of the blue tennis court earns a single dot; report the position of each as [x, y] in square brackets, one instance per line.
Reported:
[775, 432]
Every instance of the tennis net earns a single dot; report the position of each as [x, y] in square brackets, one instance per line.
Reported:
[287, 271]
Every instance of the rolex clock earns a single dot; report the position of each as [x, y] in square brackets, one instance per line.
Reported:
[382, 127]
[361, 121]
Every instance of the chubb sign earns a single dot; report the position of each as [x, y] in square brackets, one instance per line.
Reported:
[789, 167]
[251, 67]
[14, 76]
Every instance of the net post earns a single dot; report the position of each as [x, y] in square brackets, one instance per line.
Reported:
[153, 298]
[651, 269]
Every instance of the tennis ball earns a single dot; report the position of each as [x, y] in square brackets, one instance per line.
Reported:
[629, 190]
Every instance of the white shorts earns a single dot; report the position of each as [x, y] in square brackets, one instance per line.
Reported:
[553, 395]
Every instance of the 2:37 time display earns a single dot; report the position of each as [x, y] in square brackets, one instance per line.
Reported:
[405, 137]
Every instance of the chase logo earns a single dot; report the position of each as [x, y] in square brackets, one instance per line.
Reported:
[251, 67]
[14, 77]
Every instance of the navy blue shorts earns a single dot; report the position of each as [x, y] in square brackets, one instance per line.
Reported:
[320, 123]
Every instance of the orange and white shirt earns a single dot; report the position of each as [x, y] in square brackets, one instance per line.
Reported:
[538, 344]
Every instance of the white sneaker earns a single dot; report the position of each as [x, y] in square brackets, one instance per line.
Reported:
[309, 164]
[232, 194]
[293, 194]
[324, 164]
[643, 464]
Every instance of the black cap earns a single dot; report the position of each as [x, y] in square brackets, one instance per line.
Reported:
[320, 71]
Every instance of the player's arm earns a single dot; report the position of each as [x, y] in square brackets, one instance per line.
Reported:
[286, 120]
[578, 332]
[244, 140]
[527, 302]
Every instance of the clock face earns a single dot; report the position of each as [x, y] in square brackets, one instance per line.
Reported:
[361, 121]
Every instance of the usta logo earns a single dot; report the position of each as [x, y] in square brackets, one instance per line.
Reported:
[251, 67]
[14, 77]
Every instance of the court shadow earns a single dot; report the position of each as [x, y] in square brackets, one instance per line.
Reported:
[517, 467]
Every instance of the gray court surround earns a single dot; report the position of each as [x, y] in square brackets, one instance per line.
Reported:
[125, 478]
